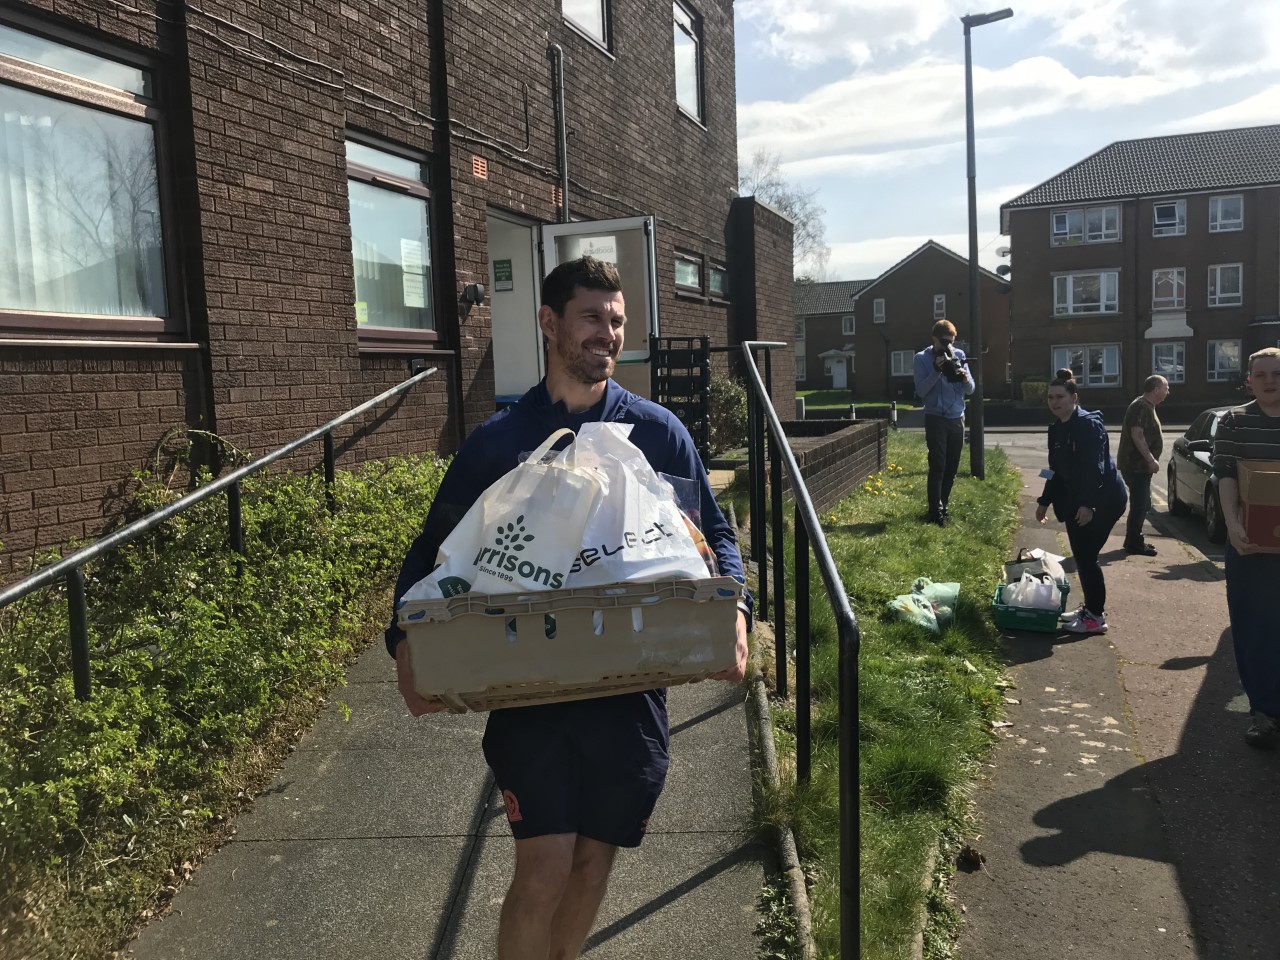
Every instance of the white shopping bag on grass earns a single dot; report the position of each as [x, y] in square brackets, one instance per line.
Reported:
[635, 531]
[524, 532]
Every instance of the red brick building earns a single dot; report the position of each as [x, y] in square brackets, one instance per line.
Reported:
[248, 217]
[1159, 255]
[861, 335]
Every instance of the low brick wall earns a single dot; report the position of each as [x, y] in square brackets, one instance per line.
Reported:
[834, 456]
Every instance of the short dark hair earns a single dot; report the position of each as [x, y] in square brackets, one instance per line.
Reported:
[943, 329]
[1153, 382]
[586, 272]
[1259, 354]
[1066, 379]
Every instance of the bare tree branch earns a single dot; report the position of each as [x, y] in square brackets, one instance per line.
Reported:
[762, 177]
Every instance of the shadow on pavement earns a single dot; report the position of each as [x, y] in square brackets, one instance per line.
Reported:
[1220, 828]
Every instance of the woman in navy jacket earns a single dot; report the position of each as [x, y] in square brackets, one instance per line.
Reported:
[1086, 493]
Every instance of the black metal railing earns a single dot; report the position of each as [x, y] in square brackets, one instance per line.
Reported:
[808, 535]
[71, 567]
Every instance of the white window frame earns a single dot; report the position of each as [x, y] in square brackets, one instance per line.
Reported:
[393, 173]
[1060, 355]
[800, 329]
[877, 310]
[1169, 227]
[1219, 224]
[1065, 306]
[1070, 226]
[1216, 297]
[587, 30]
[847, 325]
[693, 260]
[902, 363]
[800, 370]
[687, 24]
[939, 306]
[1215, 372]
[1178, 277]
[1175, 368]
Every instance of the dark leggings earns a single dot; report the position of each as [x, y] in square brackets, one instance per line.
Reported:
[1086, 543]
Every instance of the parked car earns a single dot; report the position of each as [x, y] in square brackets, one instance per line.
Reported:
[1190, 470]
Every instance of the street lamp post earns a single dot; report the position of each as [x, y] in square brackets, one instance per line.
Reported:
[977, 456]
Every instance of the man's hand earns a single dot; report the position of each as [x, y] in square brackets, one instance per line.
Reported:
[1042, 512]
[1083, 516]
[739, 671]
[938, 361]
[1153, 464]
[1236, 532]
[418, 704]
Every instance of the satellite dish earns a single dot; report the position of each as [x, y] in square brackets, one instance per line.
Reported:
[1004, 270]
[1002, 251]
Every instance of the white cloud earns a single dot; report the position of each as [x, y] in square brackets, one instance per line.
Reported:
[810, 32]
[867, 259]
[924, 103]
[862, 164]
[1261, 108]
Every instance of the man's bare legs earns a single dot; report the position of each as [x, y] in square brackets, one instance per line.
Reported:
[558, 885]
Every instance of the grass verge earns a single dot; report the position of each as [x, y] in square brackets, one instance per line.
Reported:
[925, 702]
[202, 678]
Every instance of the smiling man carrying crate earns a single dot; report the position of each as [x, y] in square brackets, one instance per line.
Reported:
[579, 779]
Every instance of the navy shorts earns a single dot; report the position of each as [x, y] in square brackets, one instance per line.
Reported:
[590, 767]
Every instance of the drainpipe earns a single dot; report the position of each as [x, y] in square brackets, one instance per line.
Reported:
[556, 56]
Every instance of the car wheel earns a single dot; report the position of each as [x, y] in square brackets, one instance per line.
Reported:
[1177, 507]
[1215, 527]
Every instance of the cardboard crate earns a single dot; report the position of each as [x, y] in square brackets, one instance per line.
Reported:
[1026, 618]
[485, 651]
[1259, 482]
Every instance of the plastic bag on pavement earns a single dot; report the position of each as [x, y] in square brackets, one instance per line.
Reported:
[1035, 562]
[524, 533]
[1032, 593]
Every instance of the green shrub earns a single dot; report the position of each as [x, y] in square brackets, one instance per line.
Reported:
[1034, 391]
[191, 664]
[728, 412]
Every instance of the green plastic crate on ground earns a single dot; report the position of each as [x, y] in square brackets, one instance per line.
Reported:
[1025, 618]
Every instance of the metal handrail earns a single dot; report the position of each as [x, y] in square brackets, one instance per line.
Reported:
[808, 533]
[69, 567]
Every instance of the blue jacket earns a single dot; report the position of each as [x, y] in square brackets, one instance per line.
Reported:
[941, 397]
[497, 445]
[1084, 475]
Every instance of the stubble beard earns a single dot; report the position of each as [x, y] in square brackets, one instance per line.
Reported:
[580, 365]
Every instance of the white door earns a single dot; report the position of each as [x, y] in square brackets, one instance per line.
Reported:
[629, 245]
[838, 379]
[513, 303]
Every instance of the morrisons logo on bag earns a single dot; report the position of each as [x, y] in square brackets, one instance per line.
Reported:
[503, 559]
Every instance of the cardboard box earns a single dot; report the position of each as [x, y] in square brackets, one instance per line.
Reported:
[1259, 482]
[485, 651]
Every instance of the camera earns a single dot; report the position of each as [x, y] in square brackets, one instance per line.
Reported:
[950, 365]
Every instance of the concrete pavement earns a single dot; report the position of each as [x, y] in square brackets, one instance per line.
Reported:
[1122, 816]
[383, 837]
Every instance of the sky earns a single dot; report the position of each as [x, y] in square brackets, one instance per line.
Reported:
[864, 101]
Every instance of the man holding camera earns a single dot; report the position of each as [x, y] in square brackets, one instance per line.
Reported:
[942, 382]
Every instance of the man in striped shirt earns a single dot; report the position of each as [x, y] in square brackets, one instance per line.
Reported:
[1252, 432]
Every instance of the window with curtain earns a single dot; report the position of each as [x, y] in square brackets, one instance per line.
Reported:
[80, 215]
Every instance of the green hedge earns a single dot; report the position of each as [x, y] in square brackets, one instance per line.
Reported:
[192, 666]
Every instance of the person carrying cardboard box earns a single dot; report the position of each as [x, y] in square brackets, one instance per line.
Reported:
[1247, 435]
[580, 778]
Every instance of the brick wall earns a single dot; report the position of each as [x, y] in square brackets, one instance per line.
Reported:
[833, 459]
[257, 99]
[761, 261]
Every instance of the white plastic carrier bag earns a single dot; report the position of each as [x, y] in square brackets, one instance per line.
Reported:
[1032, 592]
[635, 531]
[524, 532]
